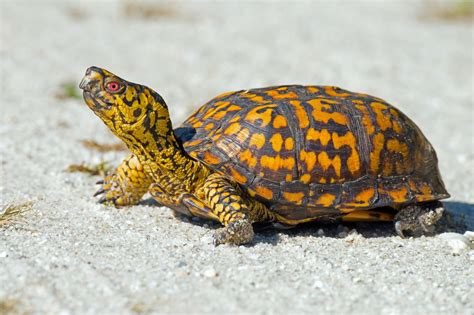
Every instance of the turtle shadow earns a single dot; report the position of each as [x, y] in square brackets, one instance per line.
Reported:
[269, 231]
[334, 230]
[263, 233]
[458, 217]
[150, 202]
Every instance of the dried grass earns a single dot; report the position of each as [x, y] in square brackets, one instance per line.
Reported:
[140, 308]
[147, 10]
[461, 10]
[94, 145]
[12, 212]
[101, 169]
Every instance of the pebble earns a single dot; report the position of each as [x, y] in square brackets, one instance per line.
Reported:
[181, 273]
[3, 254]
[343, 231]
[210, 273]
[458, 242]
[318, 284]
[353, 236]
[469, 235]
[356, 280]
[398, 242]
[320, 232]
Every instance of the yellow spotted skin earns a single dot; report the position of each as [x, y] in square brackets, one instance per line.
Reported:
[126, 185]
[286, 154]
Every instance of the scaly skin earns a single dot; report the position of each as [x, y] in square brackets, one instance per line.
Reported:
[126, 185]
[140, 117]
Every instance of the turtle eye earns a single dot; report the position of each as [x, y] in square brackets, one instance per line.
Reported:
[113, 86]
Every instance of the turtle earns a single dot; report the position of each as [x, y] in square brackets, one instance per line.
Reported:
[281, 155]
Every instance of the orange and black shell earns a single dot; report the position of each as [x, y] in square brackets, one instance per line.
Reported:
[305, 149]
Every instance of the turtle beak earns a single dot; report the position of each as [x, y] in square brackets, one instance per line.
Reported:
[84, 83]
[91, 79]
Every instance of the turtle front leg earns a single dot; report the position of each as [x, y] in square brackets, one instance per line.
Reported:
[126, 185]
[233, 209]
[418, 219]
[238, 228]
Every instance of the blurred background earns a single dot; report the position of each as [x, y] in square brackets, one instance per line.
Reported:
[405, 51]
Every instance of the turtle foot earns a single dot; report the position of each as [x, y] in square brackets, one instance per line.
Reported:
[112, 193]
[418, 219]
[236, 233]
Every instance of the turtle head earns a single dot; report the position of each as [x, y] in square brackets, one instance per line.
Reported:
[132, 111]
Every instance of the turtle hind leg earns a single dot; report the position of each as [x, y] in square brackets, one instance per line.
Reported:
[233, 209]
[418, 219]
[228, 206]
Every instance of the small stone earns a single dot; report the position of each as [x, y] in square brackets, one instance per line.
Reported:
[318, 284]
[342, 234]
[181, 273]
[458, 242]
[398, 242]
[343, 231]
[3, 254]
[320, 232]
[356, 280]
[469, 235]
[353, 237]
[210, 273]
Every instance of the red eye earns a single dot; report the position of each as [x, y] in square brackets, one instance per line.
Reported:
[113, 86]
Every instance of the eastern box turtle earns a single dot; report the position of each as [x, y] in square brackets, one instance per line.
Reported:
[286, 154]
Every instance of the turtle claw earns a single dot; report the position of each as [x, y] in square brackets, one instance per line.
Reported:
[100, 191]
[110, 191]
[399, 229]
[100, 182]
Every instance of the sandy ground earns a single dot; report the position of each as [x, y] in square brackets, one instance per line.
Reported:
[72, 255]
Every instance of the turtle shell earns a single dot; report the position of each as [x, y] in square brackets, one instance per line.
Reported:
[308, 150]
